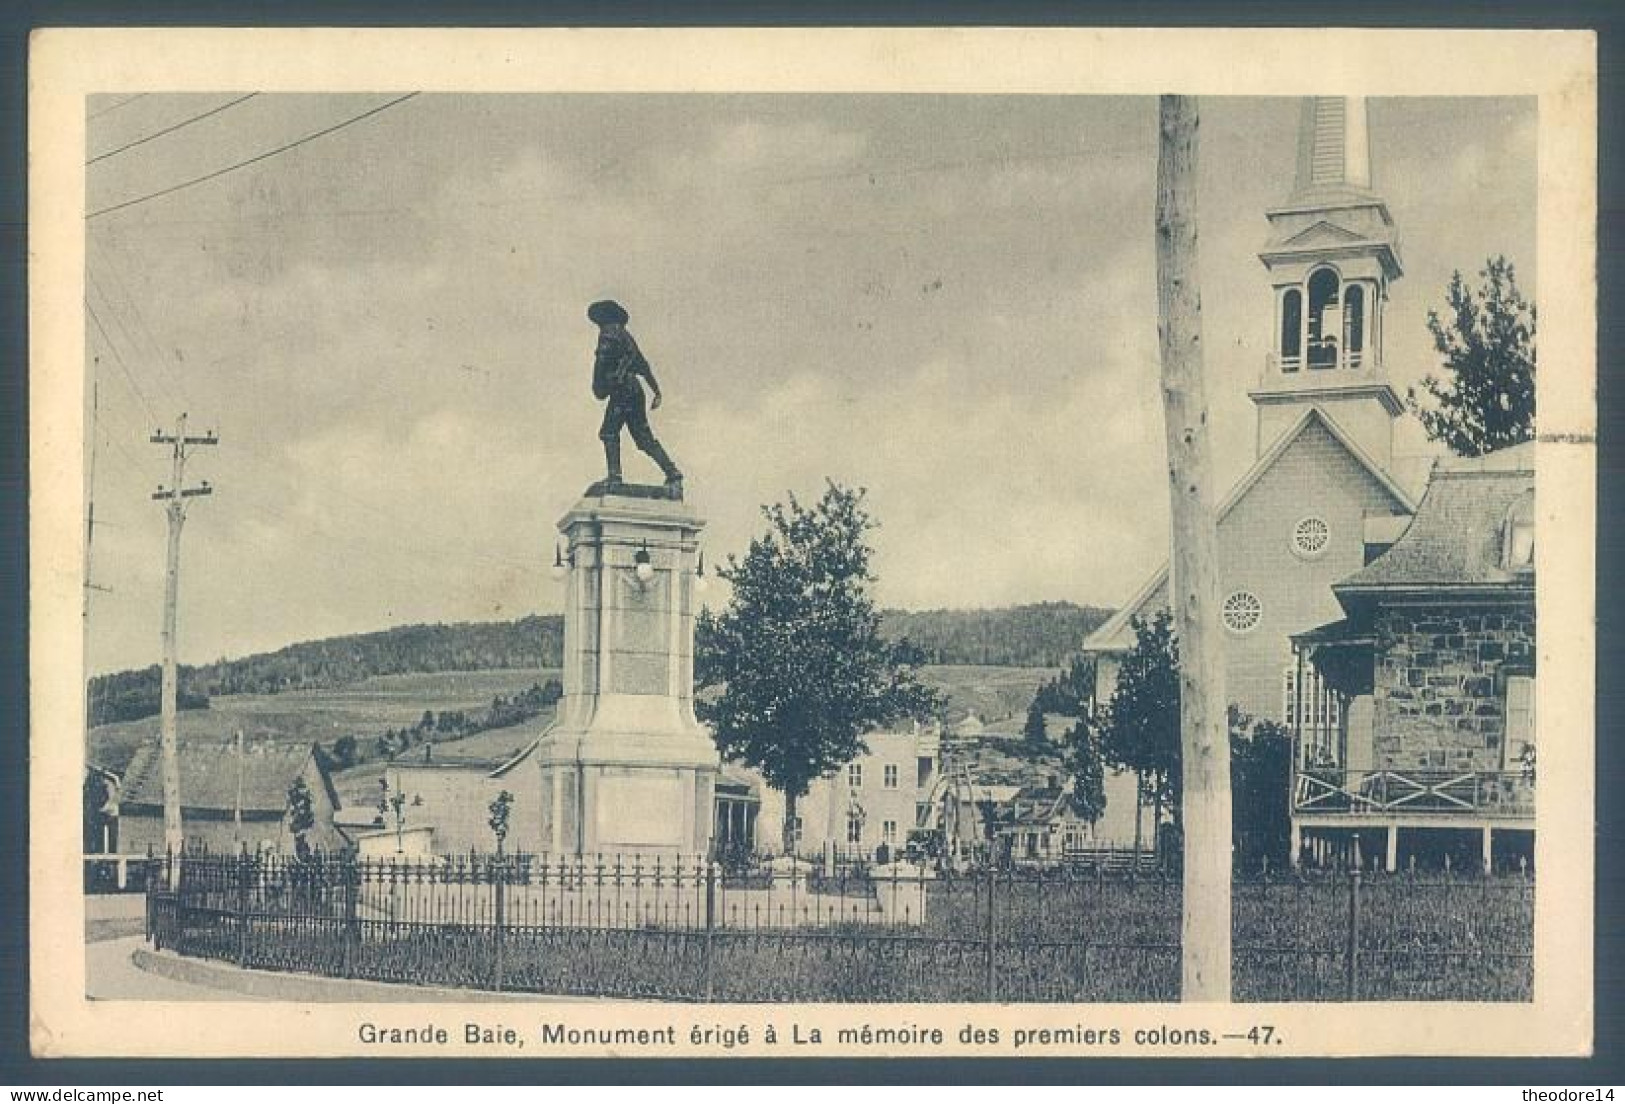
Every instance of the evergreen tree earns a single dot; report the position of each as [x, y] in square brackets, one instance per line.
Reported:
[345, 752]
[1033, 735]
[1487, 399]
[1088, 768]
[803, 670]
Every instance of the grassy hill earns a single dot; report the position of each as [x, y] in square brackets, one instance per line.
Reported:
[992, 693]
[1042, 635]
[366, 708]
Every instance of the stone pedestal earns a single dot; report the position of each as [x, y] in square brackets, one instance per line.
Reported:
[627, 770]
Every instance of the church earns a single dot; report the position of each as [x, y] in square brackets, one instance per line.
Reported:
[1320, 501]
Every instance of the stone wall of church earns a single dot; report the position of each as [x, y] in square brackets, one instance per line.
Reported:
[1440, 684]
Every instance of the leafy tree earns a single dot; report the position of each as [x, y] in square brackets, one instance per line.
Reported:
[1088, 768]
[1141, 727]
[1034, 737]
[301, 814]
[1487, 400]
[1261, 777]
[500, 810]
[798, 656]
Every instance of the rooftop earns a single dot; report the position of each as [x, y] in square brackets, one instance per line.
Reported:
[483, 751]
[210, 776]
[1456, 539]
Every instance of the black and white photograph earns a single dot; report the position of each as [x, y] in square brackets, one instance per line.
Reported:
[1003, 566]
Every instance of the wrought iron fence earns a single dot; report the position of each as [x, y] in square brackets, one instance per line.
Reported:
[685, 930]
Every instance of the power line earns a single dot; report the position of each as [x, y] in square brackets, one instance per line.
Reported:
[169, 381]
[119, 359]
[114, 107]
[171, 129]
[252, 160]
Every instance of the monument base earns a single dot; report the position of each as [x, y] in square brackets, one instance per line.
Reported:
[626, 811]
[627, 771]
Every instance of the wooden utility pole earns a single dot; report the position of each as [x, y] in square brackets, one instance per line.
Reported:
[1194, 581]
[90, 539]
[237, 806]
[175, 495]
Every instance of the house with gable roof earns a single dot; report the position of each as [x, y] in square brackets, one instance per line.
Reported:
[229, 800]
[449, 786]
[1433, 667]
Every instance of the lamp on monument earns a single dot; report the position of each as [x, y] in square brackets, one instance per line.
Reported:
[559, 564]
[645, 570]
[701, 583]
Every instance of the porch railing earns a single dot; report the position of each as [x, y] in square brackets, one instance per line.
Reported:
[1508, 794]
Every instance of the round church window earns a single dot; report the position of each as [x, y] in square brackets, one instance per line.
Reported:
[1310, 536]
[1242, 611]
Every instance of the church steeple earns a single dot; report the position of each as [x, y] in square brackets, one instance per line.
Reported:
[1334, 151]
[1331, 255]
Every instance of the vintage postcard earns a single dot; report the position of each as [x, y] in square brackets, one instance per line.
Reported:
[660, 543]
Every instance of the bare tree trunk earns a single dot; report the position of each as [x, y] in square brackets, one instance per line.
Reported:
[1194, 584]
[787, 832]
[1139, 810]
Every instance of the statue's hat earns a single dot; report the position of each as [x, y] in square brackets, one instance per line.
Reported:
[607, 311]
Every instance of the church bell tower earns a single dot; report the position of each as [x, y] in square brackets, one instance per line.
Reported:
[1331, 255]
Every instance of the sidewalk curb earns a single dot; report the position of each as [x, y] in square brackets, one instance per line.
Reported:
[309, 988]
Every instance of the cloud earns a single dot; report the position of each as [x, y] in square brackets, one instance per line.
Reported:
[949, 300]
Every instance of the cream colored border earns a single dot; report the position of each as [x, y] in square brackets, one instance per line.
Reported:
[1558, 67]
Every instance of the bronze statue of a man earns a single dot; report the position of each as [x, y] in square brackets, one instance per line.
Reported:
[616, 369]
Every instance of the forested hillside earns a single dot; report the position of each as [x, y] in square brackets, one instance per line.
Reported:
[529, 642]
[1043, 635]
[1022, 636]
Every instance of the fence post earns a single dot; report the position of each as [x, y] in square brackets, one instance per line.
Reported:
[500, 885]
[350, 872]
[1352, 956]
[991, 980]
[177, 893]
[242, 906]
[710, 928]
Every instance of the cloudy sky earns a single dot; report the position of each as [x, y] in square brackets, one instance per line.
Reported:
[947, 300]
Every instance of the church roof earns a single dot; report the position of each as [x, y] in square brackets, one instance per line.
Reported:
[1115, 634]
[1456, 540]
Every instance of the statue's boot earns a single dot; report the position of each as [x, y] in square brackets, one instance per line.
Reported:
[674, 478]
[612, 459]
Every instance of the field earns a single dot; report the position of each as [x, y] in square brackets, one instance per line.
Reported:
[302, 716]
[992, 693]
